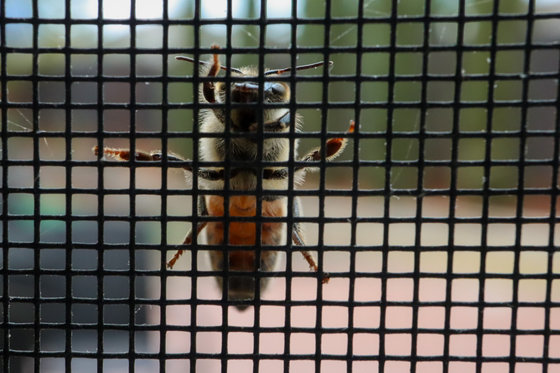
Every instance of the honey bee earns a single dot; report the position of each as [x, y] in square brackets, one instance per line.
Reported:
[241, 117]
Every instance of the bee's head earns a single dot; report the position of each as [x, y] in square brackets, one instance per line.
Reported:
[247, 104]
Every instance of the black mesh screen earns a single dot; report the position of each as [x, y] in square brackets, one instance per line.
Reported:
[438, 224]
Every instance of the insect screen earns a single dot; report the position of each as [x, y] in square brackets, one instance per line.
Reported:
[436, 226]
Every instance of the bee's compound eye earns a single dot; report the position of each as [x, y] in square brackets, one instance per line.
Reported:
[276, 89]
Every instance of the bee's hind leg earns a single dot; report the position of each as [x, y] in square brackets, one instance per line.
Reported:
[187, 241]
[298, 240]
[333, 148]
[155, 156]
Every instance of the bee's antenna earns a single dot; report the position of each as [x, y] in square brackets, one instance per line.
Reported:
[301, 67]
[190, 59]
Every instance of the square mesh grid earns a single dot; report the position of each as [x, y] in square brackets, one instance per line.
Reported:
[438, 225]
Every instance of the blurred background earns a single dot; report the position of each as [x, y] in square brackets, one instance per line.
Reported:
[407, 120]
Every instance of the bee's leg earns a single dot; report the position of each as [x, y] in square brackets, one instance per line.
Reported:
[156, 156]
[208, 87]
[187, 241]
[298, 240]
[276, 125]
[334, 148]
[124, 155]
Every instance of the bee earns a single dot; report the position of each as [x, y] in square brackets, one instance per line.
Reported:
[241, 117]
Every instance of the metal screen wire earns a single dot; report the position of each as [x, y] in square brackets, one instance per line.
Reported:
[438, 224]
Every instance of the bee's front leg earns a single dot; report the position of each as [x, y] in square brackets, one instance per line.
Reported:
[208, 87]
